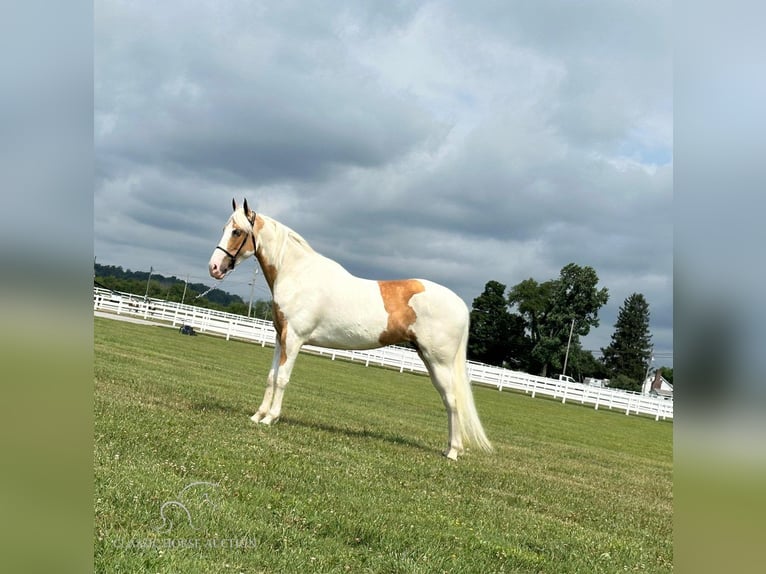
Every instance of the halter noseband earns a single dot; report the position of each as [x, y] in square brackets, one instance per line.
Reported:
[241, 245]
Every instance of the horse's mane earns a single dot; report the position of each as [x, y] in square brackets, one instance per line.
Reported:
[283, 235]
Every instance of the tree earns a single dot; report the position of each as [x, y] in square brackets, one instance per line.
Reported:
[551, 308]
[584, 364]
[630, 350]
[168, 288]
[262, 309]
[625, 382]
[490, 326]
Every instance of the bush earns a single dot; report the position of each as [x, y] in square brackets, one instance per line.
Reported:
[625, 382]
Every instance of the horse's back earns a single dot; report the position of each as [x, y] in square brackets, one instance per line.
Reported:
[364, 313]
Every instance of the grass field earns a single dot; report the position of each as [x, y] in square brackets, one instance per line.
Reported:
[351, 478]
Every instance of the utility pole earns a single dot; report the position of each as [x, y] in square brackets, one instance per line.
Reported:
[184, 293]
[252, 288]
[146, 295]
[566, 356]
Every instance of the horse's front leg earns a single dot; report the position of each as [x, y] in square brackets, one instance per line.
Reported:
[290, 347]
[268, 395]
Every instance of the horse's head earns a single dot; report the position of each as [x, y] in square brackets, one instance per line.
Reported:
[237, 242]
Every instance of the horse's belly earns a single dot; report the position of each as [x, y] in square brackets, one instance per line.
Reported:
[347, 336]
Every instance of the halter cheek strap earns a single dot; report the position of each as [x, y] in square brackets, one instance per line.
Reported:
[241, 245]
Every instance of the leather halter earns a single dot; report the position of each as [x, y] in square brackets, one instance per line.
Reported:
[241, 245]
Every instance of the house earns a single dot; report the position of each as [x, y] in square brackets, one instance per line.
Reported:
[655, 385]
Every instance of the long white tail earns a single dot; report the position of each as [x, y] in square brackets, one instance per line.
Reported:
[470, 426]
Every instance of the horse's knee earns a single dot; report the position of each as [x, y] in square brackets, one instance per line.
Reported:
[281, 383]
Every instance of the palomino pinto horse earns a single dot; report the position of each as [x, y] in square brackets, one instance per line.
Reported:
[318, 302]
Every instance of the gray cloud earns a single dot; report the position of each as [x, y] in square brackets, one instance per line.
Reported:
[457, 142]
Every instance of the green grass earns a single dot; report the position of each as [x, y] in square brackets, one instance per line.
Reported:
[351, 478]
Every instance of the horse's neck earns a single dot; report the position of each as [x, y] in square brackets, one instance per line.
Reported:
[278, 250]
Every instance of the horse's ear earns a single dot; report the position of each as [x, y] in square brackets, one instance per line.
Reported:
[233, 204]
[247, 210]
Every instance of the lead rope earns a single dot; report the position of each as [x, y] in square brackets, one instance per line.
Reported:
[211, 289]
[217, 284]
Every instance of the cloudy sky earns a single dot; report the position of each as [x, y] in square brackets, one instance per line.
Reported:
[461, 142]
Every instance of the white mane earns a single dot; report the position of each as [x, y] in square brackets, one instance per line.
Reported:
[280, 235]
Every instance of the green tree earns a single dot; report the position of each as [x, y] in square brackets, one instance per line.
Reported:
[629, 352]
[490, 326]
[262, 310]
[621, 381]
[532, 301]
[168, 288]
[551, 308]
[583, 364]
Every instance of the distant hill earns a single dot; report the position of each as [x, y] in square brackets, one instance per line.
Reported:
[170, 288]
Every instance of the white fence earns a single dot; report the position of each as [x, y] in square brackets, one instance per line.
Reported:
[403, 359]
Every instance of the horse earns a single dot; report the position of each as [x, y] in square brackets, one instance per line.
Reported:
[316, 301]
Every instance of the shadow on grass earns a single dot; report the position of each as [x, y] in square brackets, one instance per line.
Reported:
[369, 434]
[212, 405]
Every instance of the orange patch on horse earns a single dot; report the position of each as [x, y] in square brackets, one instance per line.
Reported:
[235, 243]
[396, 300]
[280, 326]
[269, 270]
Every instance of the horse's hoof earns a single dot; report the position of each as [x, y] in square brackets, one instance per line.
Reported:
[256, 418]
[451, 454]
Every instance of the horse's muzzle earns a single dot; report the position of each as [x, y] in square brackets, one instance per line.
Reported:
[215, 270]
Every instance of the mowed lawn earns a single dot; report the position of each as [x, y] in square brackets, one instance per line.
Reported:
[351, 479]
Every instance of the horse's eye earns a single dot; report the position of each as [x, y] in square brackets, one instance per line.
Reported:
[236, 232]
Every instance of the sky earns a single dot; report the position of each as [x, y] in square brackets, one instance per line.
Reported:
[460, 142]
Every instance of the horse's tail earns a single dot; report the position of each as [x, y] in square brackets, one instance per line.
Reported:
[470, 426]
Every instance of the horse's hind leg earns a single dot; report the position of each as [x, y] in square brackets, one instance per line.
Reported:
[441, 377]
